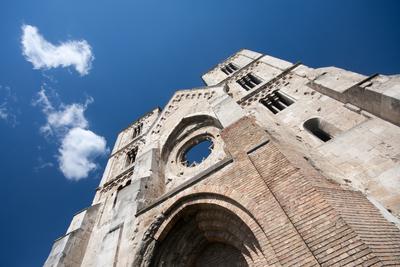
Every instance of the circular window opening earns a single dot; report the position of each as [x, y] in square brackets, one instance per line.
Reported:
[197, 152]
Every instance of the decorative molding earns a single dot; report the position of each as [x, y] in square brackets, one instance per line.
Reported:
[142, 118]
[118, 180]
[229, 59]
[242, 71]
[138, 141]
[178, 97]
[268, 87]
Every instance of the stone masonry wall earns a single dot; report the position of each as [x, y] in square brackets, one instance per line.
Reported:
[271, 193]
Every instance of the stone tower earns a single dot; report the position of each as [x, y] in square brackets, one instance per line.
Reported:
[303, 168]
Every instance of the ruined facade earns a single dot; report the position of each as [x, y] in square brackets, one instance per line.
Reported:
[303, 169]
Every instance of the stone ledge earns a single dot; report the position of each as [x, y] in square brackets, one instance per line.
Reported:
[197, 178]
[256, 147]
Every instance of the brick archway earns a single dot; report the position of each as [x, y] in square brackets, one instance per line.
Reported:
[205, 225]
[206, 235]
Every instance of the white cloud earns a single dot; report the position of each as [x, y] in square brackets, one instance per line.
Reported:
[64, 118]
[45, 55]
[7, 99]
[79, 147]
[69, 116]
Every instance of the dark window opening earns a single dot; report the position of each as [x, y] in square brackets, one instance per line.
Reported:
[197, 153]
[276, 102]
[249, 81]
[131, 156]
[137, 130]
[316, 127]
[229, 68]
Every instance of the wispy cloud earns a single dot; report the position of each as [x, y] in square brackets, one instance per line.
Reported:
[45, 55]
[3, 113]
[42, 164]
[65, 117]
[79, 147]
[7, 110]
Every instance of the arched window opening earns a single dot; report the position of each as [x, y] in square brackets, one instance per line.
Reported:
[318, 128]
[197, 151]
[137, 130]
[131, 156]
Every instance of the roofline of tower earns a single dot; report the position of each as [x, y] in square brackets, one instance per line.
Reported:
[182, 91]
[228, 58]
[139, 118]
[194, 89]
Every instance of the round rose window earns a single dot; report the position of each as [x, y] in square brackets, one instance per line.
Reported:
[197, 151]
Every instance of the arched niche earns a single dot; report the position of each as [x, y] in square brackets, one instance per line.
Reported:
[321, 129]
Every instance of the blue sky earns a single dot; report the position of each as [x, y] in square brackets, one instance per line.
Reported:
[143, 51]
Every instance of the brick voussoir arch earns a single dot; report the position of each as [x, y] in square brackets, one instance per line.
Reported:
[208, 196]
[242, 206]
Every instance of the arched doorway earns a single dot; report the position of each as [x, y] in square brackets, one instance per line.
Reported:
[206, 235]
